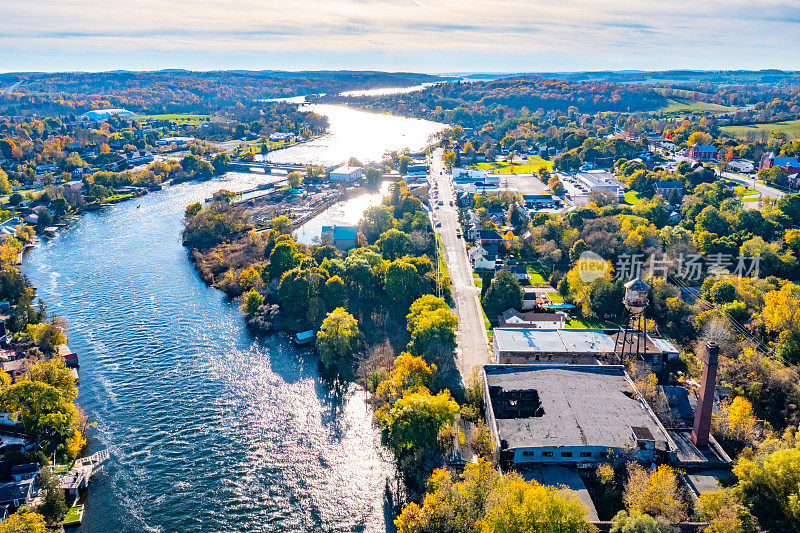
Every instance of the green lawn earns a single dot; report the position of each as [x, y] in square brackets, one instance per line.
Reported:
[791, 128]
[679, 104]
[533, 165]
[74, 514]
[634, 198]
[555, 297]
[744, 191]
[177, 118]
[477, 280]
[535, 277]
[588, 323]
[751, 199]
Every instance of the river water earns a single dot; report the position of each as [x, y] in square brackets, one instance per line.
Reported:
[209, 429]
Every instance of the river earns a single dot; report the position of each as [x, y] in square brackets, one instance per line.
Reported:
[209, 429]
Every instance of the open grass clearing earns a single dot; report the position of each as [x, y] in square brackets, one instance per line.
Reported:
[634, 198]
[678, 104]
[177, 118]
[791, 128]
[533, 164]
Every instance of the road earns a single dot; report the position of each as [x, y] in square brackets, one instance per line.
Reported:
[764, 190]
[473, 349]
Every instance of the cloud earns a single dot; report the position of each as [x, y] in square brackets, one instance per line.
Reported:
[581, 34]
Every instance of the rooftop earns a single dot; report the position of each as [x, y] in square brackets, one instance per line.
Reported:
[578, 406]
[553, 340]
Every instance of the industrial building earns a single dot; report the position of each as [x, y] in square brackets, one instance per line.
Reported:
[600, 180]
[346, 173]
[517, 345]
[555, 413]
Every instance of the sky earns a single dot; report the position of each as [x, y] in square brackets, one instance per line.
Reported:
[399, 35]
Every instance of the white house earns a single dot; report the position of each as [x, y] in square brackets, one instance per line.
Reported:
[346, 173]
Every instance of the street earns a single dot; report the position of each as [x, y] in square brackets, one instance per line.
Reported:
[472, 348]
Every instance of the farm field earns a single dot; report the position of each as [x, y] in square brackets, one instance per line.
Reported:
[791, 128]
[177, 118]
[687, 105]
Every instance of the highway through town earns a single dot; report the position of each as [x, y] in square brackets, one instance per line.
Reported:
[472, 348]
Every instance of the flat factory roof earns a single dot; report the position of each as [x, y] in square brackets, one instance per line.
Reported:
[553, 340]
[583, 406]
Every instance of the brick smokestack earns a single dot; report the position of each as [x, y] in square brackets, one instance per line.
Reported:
[705, 401]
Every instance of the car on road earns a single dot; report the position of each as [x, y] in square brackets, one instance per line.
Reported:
[441, 202]
[438, 224]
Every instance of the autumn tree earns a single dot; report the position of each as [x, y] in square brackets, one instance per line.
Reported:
[23, 521]
[338, 338]
[294, 180]
[252, 301]
[656, 493]
[434, 333]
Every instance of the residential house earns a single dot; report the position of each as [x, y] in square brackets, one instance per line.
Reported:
[667, 188]
[344, 238]
[518, 271]
[17, 493]
[24, 471]
[489, 237]
[511, 318]
[483, 257]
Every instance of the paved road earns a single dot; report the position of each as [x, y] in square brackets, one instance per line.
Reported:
[472, 348]
[765, 190]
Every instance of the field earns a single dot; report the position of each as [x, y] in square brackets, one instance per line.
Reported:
[791, 128]
[178, 119]
[633, 198]
[533, 165]
[687, 105]
[536, 278]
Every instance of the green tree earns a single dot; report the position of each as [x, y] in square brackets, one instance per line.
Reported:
[504, 293]
[412, 425]
[637, 522]
[252, 301]
[282, 224]
[395, 244]
[434, 333]
[724, 513]
[375, 221]
[53, 506]
[769, 485]
[282, 259]
[401, 282]
[374, 177]
[41, 408]
[294, 180]
[482, 500]
[338, 338]
[335, 293]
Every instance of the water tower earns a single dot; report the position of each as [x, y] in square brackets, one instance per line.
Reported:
[631, 340]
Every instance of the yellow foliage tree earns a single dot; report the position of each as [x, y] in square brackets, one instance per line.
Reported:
[23, 521]
[654, 493]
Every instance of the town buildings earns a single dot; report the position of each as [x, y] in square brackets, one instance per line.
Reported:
[343, 238]
[702, 154]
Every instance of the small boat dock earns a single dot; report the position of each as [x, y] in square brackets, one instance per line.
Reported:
[81, 473]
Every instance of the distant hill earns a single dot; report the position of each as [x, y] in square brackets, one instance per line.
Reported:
[174, 91]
